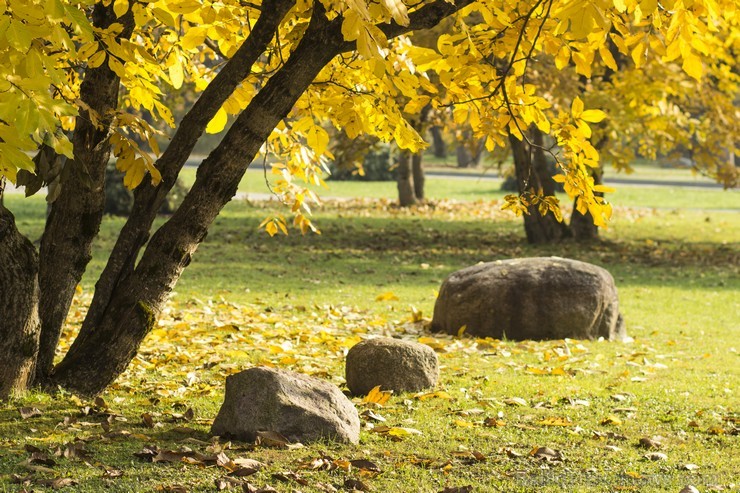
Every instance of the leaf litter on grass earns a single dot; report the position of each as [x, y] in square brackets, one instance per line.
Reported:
[196, 344]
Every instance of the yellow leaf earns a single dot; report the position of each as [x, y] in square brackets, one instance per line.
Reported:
[116, 66]
[387, 296]
[398, 11]
[555, 421]
[463, 424]
[593, 116]
[218, 122]
[577, 107]
[176, 75]
[461, 330]
[96, 60]
[120, 7]
[607, 58]
[692, 65]
[377, 396]
[611, 420]
[441, 394]
[401, 432]
[87, 50]
[603, 189]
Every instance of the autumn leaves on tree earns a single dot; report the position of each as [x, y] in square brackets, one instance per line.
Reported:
[86, 78]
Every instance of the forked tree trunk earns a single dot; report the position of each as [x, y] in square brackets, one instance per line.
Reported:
[417, 168]
[405, 180]
[533, 176]
[103, 350]
[19, 319]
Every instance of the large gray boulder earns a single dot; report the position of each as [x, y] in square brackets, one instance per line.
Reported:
[400, 366]
[300, 407]
[530, 298]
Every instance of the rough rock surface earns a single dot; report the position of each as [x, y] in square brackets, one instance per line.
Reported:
[393, 364]
[300, 407]
[530, 298]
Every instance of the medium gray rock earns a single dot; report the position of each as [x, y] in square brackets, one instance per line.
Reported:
[299, 407]
[530, 298]
[393, 364]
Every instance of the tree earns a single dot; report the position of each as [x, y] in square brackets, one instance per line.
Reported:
[76, 75]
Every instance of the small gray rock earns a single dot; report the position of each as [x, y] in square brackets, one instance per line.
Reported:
[300, 407]
[396, 365]
[530, 298]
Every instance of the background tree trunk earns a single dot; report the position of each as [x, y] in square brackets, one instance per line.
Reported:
[19, 296]
[417, 168]
[469, 151]
[533, 175]
[438, 142]
[405, 180]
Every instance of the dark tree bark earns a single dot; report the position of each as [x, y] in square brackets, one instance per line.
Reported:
[438, 143]
[405, 180]
[469, 151]
[533, 176]
[417, 169]
[75, 216]
[582, 225]
[19, 296]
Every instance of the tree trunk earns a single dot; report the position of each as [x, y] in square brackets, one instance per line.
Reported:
[19, 296]
[147, 199]
[74, 220]
[417, 168]
[103, 350]
[438, 143]
[582, 225]
[533, 176]
[405, 180]
[469, 151]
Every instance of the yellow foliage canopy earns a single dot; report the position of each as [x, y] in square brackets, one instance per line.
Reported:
[672, 74]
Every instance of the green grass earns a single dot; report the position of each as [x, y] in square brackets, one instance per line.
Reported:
[246, 295]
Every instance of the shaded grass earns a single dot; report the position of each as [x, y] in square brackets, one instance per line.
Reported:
[246, 294]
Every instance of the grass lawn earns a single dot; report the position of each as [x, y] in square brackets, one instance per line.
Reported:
[299, 303]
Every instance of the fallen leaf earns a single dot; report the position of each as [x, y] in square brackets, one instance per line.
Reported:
[494, 422]
[555, 421]
[546, 454]
[29, 412]
[289, 476]
[611, 420]
[365, 465]
[175, 488]
[650, 443]
[147, 420]
[689, 489]
[356, 485]
[655, 456]
[272, 439]
[387, 296]
[112, 473]
[689, 467]
[515, 401]
[457, 489]
[377, 396]
[372, 415]
[57, 483]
